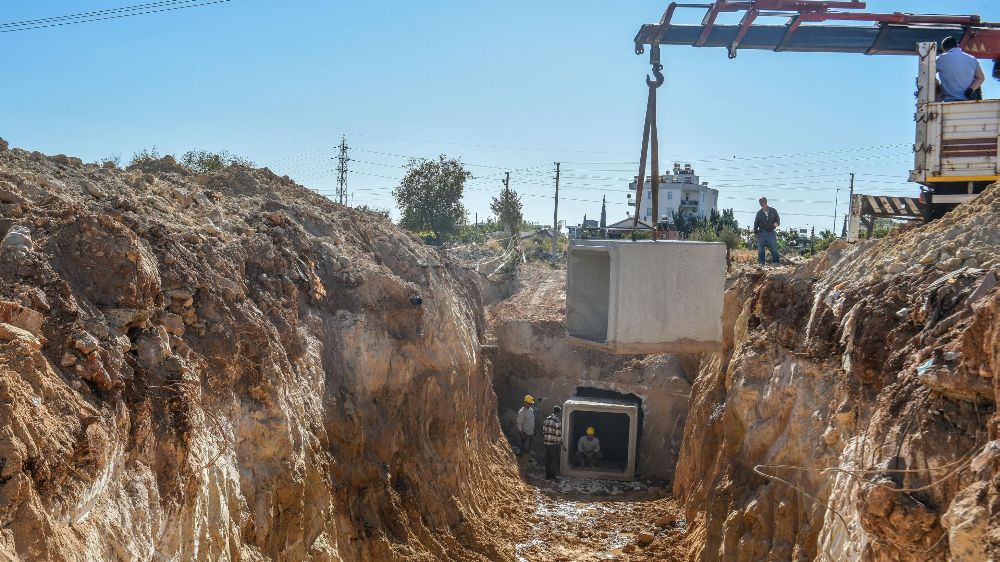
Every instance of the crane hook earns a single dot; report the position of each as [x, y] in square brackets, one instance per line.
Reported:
[658, 73]
[654, 61]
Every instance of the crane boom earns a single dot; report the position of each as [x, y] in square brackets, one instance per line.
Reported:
[804, 31]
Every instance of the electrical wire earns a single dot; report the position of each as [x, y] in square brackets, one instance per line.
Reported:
[104, 15]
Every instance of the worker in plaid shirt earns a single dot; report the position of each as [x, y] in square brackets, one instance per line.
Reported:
[552, 434]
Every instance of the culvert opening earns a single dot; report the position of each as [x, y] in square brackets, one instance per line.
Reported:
[591, 295]
[616, 419]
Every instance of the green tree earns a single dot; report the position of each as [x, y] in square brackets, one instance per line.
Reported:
[507, 209]
[429, 196]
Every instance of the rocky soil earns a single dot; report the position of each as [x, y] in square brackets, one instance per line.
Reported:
[228, 366]
[592, 521]
[852, 414]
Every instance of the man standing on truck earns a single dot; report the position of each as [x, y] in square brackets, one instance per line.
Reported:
[959, 73]
[764, 226]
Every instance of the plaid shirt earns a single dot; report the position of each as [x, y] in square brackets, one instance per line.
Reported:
[552, 430]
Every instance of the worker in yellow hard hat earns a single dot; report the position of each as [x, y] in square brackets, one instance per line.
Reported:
[526, 425]
[588, 449]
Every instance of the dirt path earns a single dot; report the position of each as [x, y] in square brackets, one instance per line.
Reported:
[590, 520]
[540, 298]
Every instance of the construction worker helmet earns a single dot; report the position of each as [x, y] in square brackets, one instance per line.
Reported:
[590, 431]
[529, 399]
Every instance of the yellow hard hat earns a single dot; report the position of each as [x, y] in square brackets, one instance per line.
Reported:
[529, 399]
[590, 431]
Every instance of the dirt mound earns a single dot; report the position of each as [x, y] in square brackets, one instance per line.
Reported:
[229, 366]
[851, 415]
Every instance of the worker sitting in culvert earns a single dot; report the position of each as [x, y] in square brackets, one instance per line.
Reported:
[588, 449]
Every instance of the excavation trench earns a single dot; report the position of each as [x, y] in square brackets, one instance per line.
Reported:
[229, 366]
[637, 406]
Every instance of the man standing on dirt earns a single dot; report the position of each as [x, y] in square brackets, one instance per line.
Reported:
[552, 435]
[764, 226]
[526, 424]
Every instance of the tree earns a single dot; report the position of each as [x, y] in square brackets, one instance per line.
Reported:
[507, 209]
[429, 196]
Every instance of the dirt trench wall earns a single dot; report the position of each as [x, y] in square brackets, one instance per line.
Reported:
[851, 415]
[534, 358]
[230, 367]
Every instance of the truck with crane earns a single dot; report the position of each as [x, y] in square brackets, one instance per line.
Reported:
[956, 143]
[636, 297]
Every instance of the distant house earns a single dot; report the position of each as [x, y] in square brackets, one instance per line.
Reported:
[623, 228]
[679, 192]
[576, 231]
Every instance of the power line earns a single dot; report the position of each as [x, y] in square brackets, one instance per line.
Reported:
[109, 14]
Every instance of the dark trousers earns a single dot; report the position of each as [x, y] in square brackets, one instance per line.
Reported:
[552, 461]
[526, 442]
[588, 460]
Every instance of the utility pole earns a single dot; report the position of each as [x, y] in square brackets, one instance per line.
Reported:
[836, 197]
[850, 205]
[342, 161]
[850, 201]
[555, 217]
[506, 187]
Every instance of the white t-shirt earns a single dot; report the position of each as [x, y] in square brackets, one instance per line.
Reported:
[526, 420]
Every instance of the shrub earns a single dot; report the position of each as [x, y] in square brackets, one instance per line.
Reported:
[203, 161]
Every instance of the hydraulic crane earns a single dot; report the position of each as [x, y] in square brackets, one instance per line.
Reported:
[956, 142]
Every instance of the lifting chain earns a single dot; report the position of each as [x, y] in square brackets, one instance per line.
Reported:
[650, 146]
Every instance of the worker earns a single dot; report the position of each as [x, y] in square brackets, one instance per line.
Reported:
[765, 225]
[526, 424]
[958, 73]
[588, 449]
[552, 437]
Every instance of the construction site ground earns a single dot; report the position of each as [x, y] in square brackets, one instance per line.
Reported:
[578, 519]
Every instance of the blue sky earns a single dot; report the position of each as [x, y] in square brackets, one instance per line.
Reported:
[503, 85]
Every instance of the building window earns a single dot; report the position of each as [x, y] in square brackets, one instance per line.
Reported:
[670, 195]
[649, 195]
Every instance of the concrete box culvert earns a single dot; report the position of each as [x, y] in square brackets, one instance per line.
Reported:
[648, 296]
[616, 423]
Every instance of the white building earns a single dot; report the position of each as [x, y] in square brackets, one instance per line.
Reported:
[680, 192]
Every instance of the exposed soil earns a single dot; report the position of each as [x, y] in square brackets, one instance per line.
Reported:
[228, 366]
[851, 415]
[593, 520]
